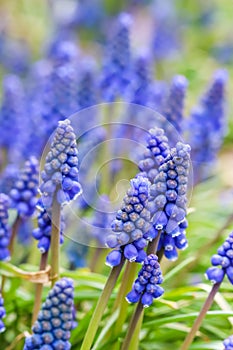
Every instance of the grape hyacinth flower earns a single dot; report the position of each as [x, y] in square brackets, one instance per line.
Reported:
[55, 320]
[60, 174]
[130, 225]
[168, 200]
[207, 126]
[43, 232]
[173, 107]
[24, 193]
[2, 314]
[87, 87]
[228, 343]
[4, 227]
[223, 259]
[157, 151]
[116, 70]
[146, 287]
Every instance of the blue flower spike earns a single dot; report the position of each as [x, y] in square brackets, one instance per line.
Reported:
[52, 329]
[131, 223]
[222, 262]
[24, 193]
[4, 227]
[146, 287]
[2, 314]
[60, 174]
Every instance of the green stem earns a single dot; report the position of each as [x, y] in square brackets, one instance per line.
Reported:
[153, 245]
[160, 254]
[96, 260]
[14, 232]
[134, 344]
[100, 307]
[132, 326]
[39, 288]
[126, 284]
[201, 316]
[55, 240]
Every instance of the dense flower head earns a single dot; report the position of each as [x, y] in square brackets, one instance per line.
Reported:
[4, 227]
[43, 232]
[60, 174]
[52, 329]
[24, 193]
[132, 222]
[228, 343]
[116, 71]
[146, 287]
[157, 151]
[2, 314]
[223, 259]
[8, 178]
[173, 107]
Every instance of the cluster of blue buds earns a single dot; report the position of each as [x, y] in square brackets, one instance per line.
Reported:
[130, 225]
[157, 151]
[224, 259]
[4, 228]
[2, 314]
[43, 232]
[87, 86]
[228, 343]
[60, 174]
[55, 320]
[146, 287]
[24, 193]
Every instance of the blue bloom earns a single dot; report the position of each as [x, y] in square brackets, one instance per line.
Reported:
[2, 314]
[23, 194]
[87, 87]
[12, 116]
[207, 126]
[55, 320]
[228, 343]
[4, 227]
[8, 178]
[131, 222]
[116, 71]
[77, 254]
[173, 107]
[43, 232]
[60, 174]
[223, 259]
[157, 151]
[146, 287]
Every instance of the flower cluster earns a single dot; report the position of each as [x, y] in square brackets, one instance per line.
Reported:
[130, 225]
[146, 287]
[55, 320]
[173, 107]
[228, 343]
[224, 259]
[60, 174]
[2, 314]
[157, 151]
[43, 232]
[116, 71]
[4, 228]
[23, 194]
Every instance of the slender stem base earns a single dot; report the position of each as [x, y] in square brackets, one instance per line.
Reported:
[55, 241]
[100, 307]
[134, 344]
[133, 324]
[14, 232]
[39, 289]
[199, 319]
[153, 245]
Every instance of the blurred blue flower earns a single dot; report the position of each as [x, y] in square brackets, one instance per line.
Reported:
[228, 343]
[2, 314]
[5, 232]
